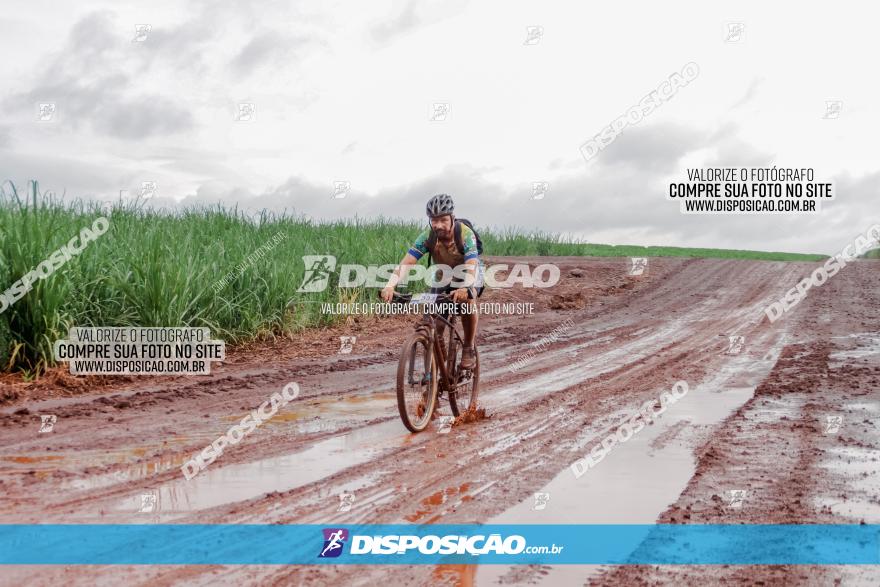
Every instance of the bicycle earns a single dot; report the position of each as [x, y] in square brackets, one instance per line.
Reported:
[426, 370]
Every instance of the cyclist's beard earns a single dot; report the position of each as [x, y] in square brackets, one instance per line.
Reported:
[442, 234]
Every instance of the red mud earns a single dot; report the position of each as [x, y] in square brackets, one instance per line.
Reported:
[631, 338]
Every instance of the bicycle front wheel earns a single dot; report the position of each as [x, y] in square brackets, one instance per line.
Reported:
[417, 383]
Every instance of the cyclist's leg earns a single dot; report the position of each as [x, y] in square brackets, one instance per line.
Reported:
[471, 318]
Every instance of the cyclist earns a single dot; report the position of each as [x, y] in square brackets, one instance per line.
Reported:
[439, 240]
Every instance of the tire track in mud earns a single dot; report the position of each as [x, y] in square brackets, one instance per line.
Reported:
[805, 449]
[672, 325]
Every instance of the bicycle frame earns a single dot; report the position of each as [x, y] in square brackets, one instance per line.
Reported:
[439, 351]
[433, 379]
[429, 327]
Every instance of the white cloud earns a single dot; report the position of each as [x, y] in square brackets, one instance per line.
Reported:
[343, 92]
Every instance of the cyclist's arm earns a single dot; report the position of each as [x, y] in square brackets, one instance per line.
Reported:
[416, 252]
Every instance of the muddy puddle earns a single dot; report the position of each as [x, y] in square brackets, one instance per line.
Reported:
[860, 467]
[863, 345]
[219, 485]
[637, 480]
[577, 371]
[326, 415]
[317, 415]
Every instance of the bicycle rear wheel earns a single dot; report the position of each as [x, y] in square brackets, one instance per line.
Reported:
[416, 383]
[463, 397]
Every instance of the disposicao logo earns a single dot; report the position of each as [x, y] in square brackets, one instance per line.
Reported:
[334, 540]
[318, 270]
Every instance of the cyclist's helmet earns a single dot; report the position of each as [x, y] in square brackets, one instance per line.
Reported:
[440, 205]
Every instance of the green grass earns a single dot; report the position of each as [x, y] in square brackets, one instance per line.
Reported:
[517, 242]
[159, 269]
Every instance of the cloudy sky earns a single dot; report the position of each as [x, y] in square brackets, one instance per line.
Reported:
[345, 92]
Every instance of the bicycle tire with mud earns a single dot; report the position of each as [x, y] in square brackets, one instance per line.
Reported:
[403, 375]
[472, 400]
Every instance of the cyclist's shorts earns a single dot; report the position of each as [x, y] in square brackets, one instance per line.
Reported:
[473, 293]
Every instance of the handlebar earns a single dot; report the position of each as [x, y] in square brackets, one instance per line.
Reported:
[407, 298]
[400, 298]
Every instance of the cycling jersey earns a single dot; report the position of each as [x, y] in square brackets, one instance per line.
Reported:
[450, 255]
[447, 255]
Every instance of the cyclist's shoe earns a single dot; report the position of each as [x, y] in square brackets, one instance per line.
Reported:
[468, 358]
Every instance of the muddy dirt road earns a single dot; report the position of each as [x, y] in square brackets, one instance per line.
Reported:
[782, 426]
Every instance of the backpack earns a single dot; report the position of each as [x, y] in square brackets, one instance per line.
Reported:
[456, 233]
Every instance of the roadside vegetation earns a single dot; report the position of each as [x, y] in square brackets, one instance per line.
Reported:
[212, 266]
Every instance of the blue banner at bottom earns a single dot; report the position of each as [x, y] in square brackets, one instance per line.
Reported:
[662, 544]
